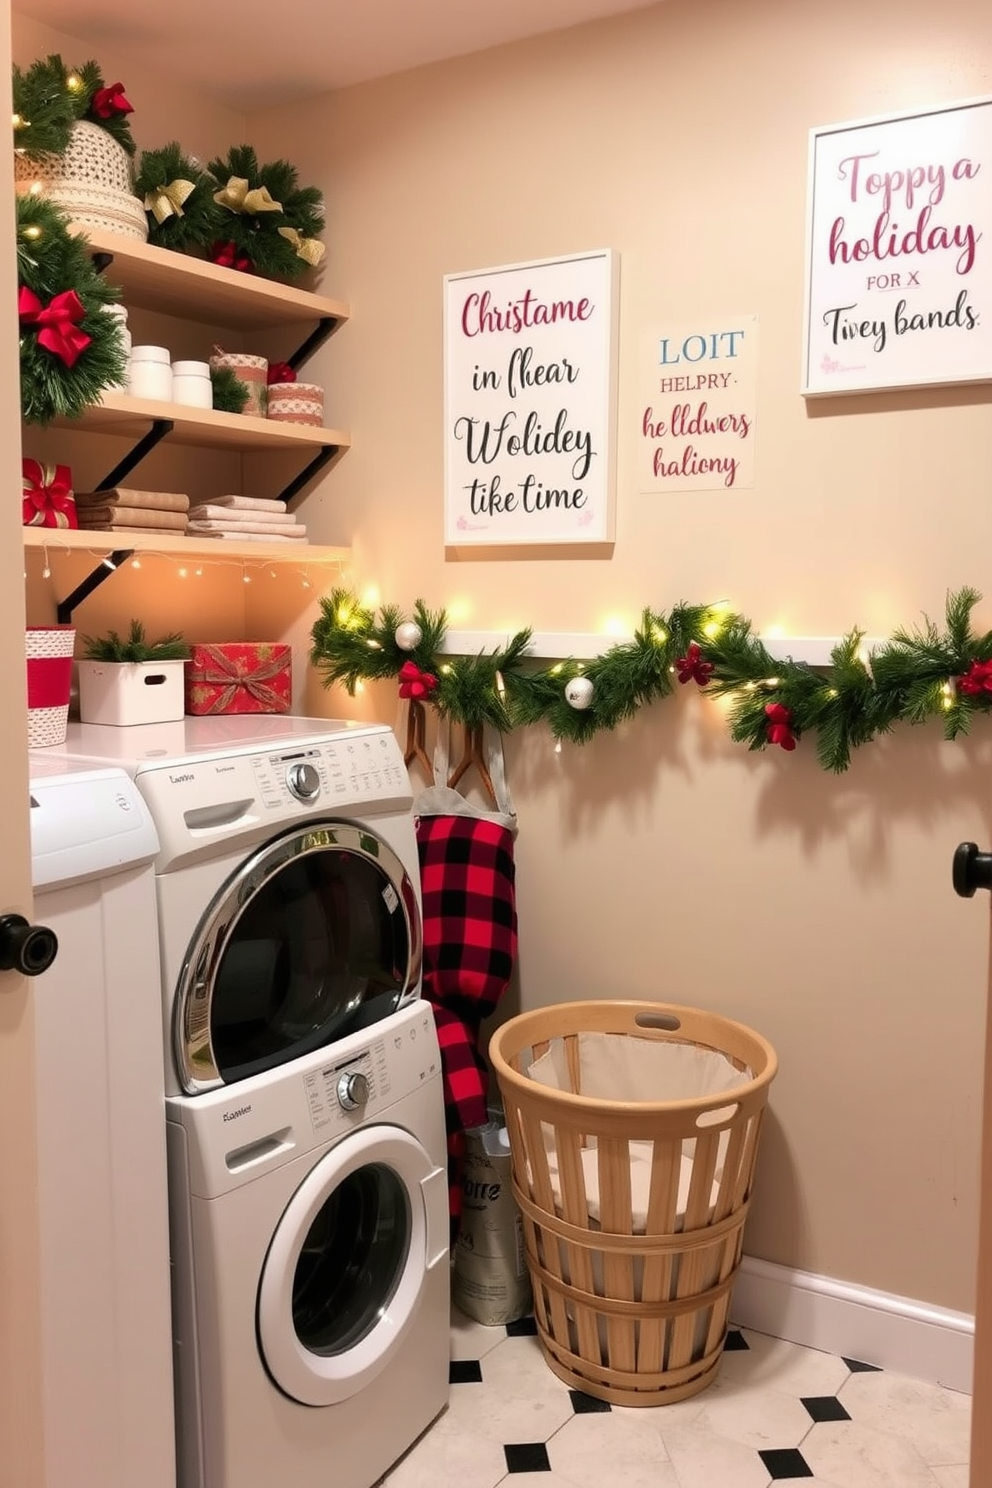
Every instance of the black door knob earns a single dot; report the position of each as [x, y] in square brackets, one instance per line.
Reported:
[29, 949]
[971, 869]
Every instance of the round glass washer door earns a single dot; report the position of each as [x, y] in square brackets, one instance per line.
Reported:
[344, 1274]
[318, 933]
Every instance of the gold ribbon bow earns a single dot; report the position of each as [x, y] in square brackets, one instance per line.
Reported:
[167, 201]
[311, 250]
[221, 670]
[236, 197]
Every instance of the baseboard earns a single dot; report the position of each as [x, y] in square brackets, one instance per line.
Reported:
[913, 1338]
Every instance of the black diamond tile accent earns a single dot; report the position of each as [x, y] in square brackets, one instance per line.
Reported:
[825, 1408]
[523, 1328]
[464, 1372]
[786, 1462]
[857, 1366]
[527, 1457]
[585, 1405]
[736, 1340]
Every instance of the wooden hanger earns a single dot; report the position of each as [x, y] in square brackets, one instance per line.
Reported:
[416, 731]
[473, 754]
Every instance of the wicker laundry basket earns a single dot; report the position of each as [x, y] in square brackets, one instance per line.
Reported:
[632, 1306]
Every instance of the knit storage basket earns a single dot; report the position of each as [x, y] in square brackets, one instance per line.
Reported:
[250, 370]
[296, 403]
[633, 1209]
[49, 678]
[91, 182]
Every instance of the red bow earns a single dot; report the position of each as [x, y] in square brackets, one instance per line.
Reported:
[692, 668]
[977, 679]
[227, 255]
[58, 321]
[109, 101]
[780, 725]
[280, 372]
[414, 683]
[47, 496]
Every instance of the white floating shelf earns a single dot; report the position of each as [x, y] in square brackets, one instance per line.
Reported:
[547, 645]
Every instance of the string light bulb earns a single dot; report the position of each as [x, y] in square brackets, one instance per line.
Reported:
[74, 82]
[949, 694]
[135, 562]
[182, 573]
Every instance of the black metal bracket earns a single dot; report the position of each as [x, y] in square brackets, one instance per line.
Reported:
[317, 337]
[102, 261]
[93, 580]
[321, 458]
[144, 446]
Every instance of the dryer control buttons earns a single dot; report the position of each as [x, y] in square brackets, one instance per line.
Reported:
[303, 782]
[353, 1090]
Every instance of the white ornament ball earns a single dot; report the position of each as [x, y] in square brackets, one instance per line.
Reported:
[578, 693]
[408, 636]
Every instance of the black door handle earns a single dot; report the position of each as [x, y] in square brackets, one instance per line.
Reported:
[971, 869]
[29, 949]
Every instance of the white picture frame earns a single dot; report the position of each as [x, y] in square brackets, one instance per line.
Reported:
[530, 356]
[899, 251]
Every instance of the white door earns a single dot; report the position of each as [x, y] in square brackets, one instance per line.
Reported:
[20, 1319]
[344, 1275]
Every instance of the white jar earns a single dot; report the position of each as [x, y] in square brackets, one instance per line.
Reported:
[119, 313]
[191, 384]
[151, 373]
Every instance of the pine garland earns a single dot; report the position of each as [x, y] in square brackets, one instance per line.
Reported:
[917, 675]
[230, 394]
[50, 261]
[50, 97]
[270, 226]
[178, 197]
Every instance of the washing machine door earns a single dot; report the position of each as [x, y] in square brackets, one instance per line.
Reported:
[316, 935]
[344, 1274]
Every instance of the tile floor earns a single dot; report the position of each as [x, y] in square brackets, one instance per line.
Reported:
[776, 1413]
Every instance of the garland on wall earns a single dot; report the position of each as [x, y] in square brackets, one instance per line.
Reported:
[918, 674]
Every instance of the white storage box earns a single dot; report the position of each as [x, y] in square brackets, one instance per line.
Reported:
[130, 692]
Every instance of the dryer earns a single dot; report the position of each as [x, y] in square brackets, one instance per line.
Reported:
[310, 1249]
[287, 880]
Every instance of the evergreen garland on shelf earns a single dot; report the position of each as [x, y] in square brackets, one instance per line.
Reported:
[50, 97]
[230, 394]
[70, 349]
[269, 222]
[178, 197]
[918, 674]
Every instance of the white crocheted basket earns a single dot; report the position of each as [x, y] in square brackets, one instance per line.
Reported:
[91, 182]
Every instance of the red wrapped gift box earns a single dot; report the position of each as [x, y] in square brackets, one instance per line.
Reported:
[47, 498]
[239, 677]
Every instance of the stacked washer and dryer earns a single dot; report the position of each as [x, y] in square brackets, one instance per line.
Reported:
[304, 1111]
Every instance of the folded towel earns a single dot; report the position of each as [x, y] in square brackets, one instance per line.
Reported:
[132, 516]
[128, 531]
[249, 503]
[226, 514]
[268, 529]
[276, 537]
[123, 496]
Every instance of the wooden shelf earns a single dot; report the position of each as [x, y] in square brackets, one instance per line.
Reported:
[155, 278]
[118, 413]
[98, 544]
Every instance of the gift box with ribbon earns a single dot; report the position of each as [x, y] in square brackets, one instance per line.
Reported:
[47, 496]
[239, 677]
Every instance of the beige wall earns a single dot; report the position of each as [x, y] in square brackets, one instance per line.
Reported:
[664, 861]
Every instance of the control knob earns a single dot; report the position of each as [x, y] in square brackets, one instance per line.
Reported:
[303, 782]
[29, 949]
[353, 1090]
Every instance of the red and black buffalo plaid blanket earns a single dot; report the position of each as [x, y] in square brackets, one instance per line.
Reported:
[470, 947]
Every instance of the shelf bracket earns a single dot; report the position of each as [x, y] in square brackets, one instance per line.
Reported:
[93, 580]
[102, 261]
[320, 459]
[144, 446]
[317, 337]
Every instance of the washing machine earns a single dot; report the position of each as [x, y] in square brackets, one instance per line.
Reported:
[105, 1301]
[287, 880]
[310, 1248]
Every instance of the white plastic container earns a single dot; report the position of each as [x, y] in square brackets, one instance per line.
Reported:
[129, 692]
[150, 373]
[191, 384]
[119, 313]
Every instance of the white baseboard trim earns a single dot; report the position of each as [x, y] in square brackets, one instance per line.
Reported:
[912, 1338]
